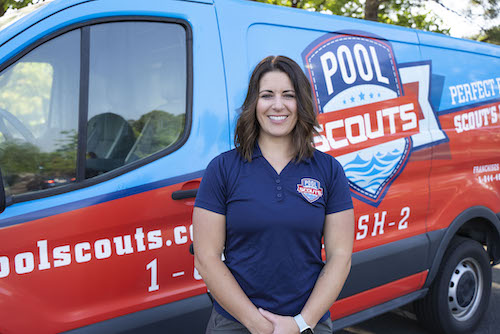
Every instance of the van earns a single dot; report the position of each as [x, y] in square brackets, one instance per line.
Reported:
[111, 110]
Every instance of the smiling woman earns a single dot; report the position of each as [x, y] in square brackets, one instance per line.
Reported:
[267, 205]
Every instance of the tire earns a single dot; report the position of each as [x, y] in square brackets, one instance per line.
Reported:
[459, 295]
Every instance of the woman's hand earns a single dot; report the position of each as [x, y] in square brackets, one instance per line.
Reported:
[282, 324]
[262, 327]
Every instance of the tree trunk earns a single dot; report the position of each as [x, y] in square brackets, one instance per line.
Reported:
[371, 10]
[2, 8]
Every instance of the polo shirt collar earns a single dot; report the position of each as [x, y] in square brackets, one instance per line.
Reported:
[307, 160]
[258, 153]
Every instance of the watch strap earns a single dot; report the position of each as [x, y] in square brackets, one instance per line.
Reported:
[301, 323]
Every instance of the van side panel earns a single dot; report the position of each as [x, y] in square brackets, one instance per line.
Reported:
[121, 245]
[466, 167]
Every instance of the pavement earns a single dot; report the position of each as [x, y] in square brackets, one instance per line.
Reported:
[401, 321]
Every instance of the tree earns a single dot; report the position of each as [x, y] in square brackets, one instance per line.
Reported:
[6, 4]
[406, 13]
[480, 13]
[491, 35]
[490, 8]
[410, 13]
[371, 10]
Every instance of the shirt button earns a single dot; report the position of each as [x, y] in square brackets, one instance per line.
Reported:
[278, 180]
[279, 195]
[278, 187]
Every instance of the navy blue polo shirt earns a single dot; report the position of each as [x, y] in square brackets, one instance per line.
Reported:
[274, 223]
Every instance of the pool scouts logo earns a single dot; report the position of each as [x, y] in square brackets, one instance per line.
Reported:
[310, 189]
[373, 113]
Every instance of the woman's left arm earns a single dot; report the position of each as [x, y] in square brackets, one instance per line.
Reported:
[339, 238]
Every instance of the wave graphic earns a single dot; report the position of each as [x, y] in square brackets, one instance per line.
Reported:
[371, 173]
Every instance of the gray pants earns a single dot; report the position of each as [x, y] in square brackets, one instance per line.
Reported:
[218, 324]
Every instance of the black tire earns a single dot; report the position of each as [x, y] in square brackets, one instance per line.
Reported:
[459, 295]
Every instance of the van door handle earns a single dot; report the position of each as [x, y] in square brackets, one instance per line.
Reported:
[183, 194]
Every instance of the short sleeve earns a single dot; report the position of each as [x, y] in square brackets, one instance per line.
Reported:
[339, 194]
[212, 193]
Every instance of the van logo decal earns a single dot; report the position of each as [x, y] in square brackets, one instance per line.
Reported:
[371, 110]
[310, 189]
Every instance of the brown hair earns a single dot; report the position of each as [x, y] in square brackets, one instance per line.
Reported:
[247, 126]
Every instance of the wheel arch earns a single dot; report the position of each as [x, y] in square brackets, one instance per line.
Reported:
[478, 223]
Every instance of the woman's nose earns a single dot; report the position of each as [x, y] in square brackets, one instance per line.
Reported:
[278, 103]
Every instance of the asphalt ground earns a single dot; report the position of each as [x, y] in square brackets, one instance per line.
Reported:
[402, 321]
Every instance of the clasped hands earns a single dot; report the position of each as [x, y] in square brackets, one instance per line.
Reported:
[281, 324]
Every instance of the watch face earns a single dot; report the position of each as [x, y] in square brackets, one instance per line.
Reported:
[307, 331]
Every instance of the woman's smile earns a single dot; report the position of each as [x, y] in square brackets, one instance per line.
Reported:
[277, 119]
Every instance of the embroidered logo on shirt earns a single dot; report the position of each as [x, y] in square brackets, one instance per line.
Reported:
[310, 189]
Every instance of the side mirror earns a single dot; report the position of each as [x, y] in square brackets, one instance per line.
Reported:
[2, 193]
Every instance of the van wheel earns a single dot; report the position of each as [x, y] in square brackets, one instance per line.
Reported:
[460, 293]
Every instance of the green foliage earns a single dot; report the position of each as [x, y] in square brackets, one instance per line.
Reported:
[19, 157]
[289, 3]
[491, 35]
[398, 12]
[490, 8]
[408, 13]
[25, 166]
[6, 4]
[351, 8]
[156, 130]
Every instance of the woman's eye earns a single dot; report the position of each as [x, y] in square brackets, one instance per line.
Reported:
[266, 96]
[290, 96]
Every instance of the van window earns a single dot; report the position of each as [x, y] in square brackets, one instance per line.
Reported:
[137, 92]
[39, 116]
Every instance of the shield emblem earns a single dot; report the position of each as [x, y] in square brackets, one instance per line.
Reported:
[310, 189]
[359, 99]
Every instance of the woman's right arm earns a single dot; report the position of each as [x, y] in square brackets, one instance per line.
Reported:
[209, 229]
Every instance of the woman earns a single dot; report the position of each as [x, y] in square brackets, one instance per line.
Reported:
[266, 205]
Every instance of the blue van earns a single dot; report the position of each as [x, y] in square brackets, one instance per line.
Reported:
[110, 110]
